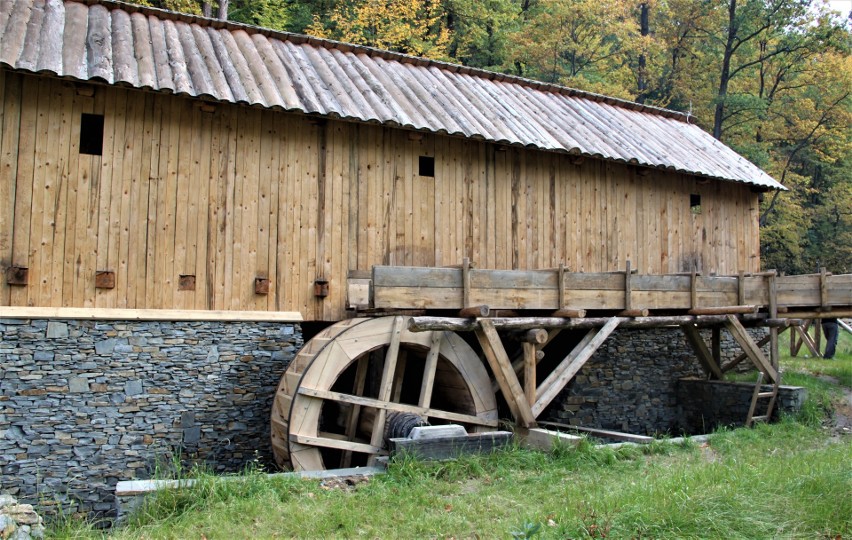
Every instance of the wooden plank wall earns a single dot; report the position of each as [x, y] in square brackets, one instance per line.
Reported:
[235, 193]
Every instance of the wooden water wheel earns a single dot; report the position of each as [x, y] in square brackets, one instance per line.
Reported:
[335, 399]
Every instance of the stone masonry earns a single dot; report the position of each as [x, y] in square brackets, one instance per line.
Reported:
[631, 383]
[84, 404]
[706, 405]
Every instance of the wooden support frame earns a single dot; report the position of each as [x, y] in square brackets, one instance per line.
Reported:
[751, 349]
[710, 365]
[803, 339]
[565, 371]
[530, 362]
[501, 366]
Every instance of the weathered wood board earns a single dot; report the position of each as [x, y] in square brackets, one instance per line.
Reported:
[442, 288]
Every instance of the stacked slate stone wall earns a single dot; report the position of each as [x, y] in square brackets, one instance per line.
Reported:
[706, 405]
[84, 404]
[631, 383]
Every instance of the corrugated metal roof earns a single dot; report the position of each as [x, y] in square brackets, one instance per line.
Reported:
[147, 48]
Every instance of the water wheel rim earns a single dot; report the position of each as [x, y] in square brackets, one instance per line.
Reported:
[304, 437]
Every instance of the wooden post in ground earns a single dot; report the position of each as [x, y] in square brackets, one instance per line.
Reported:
[773, 313]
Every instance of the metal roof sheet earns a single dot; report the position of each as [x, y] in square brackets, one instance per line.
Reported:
[147, 48]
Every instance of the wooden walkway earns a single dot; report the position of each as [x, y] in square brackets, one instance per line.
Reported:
[419, 288]
[536, 305]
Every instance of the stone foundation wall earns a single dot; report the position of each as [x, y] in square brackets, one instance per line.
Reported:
[631, 383]
[706, 405]
[84, 404]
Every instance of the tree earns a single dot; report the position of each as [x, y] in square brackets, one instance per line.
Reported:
[413, 27]
[581, 43]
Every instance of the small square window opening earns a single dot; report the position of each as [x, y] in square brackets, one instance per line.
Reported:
[427, 166]
[92, 134]
[695, 203]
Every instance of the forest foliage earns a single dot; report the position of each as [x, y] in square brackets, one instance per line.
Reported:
[770, 78]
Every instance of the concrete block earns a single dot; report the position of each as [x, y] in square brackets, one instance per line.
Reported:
[437, 432]
[545, 440]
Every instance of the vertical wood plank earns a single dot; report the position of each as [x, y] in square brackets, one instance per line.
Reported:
[11, 110]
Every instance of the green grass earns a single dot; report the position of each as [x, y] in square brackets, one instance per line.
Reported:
[784, 480]
[791, 479]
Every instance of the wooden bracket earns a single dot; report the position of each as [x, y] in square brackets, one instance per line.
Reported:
[751, 349]
[105, 279]
[261, 285]
[702, 352]
[186, 282]
[497, 358]
[571, 364]
[17, 275]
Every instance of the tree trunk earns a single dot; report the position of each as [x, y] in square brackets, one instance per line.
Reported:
[642, 76]
[724, 77]
[222, 13]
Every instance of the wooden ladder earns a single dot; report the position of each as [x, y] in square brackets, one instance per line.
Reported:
[758, 395]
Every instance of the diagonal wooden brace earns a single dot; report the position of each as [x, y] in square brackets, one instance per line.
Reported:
[693, 336]
[754, 353]
[572, 363]
[500, 364]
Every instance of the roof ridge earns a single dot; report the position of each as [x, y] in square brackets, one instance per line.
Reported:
[392, 55]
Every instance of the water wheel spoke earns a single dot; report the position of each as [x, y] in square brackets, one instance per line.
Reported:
[329, 440]
[396, 407]
[429, 369]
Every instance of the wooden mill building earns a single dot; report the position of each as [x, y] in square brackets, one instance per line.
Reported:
[205, 165]
[162, 166]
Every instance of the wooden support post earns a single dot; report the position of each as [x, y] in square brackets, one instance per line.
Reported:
[503, 372]
[716, 345]
[628, 292]
[529, 371]
[702, 352]
[741, 288]
[823, 289]
[693, 291]
[750, 348]
[818, 335]
[386, 385]
[466, 282]
[572, 363]
[560, 280]
[774, 357]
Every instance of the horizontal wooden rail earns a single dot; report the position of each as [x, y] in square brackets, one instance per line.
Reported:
[104, 314]
[455, 324]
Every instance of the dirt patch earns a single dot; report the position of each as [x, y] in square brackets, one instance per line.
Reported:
[345, 483]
